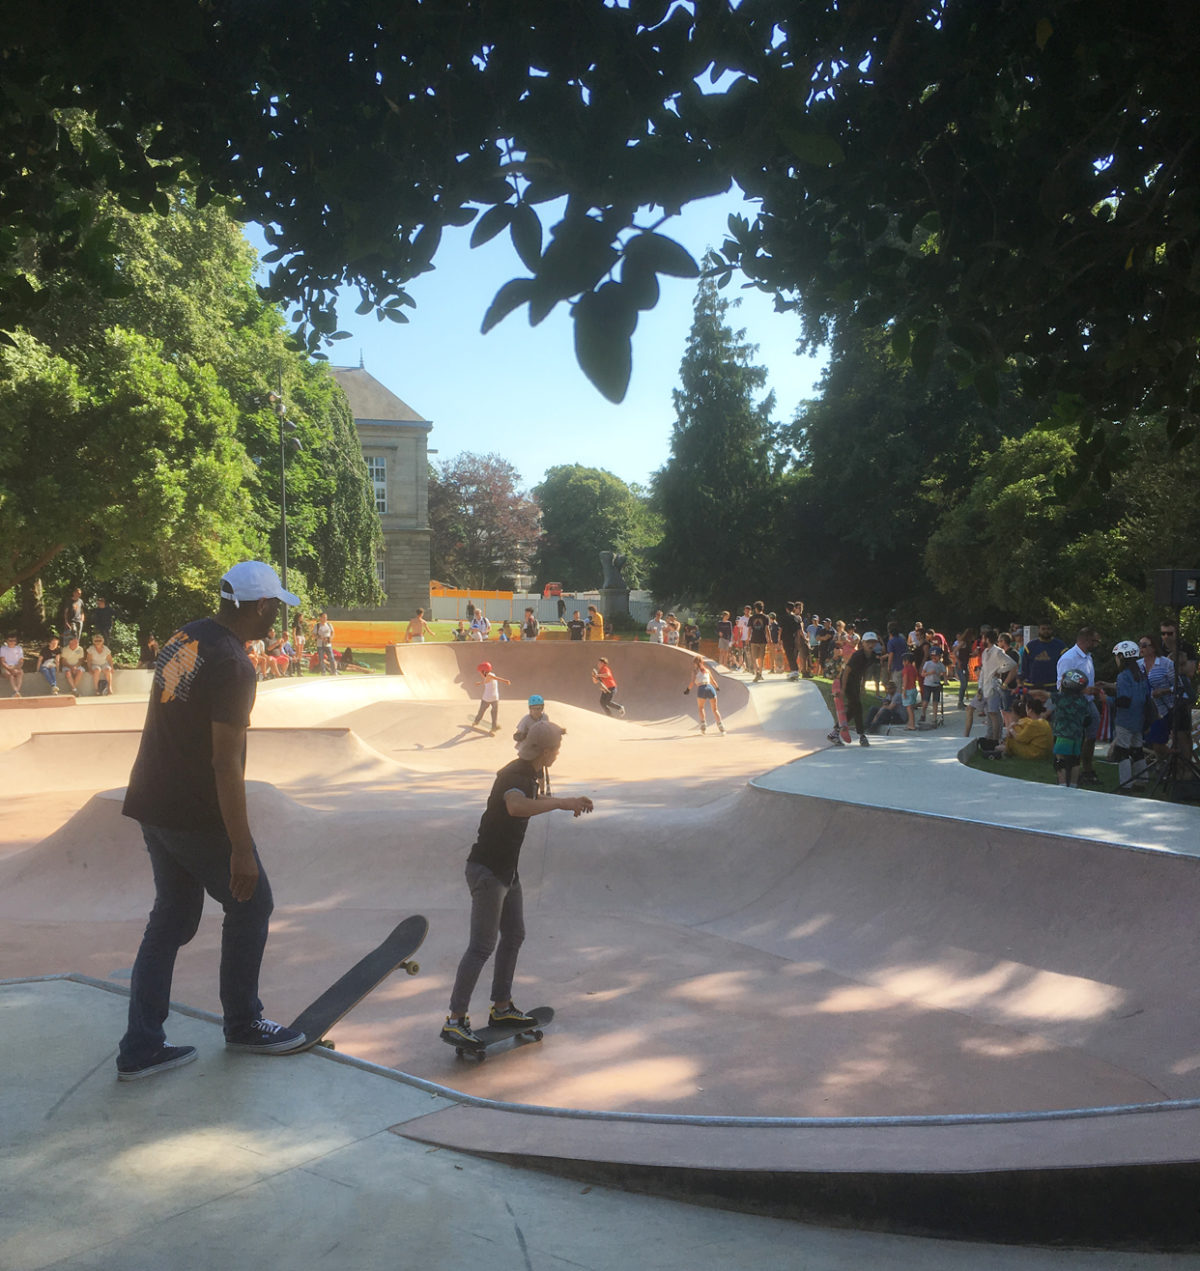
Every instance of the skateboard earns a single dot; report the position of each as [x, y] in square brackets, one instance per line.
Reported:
[493, 1033]
[841, 733]
[364, 976]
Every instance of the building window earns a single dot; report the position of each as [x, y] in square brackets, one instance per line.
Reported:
[381, 573]
[377, 476]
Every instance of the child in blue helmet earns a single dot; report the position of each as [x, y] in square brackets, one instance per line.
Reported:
[537, 710]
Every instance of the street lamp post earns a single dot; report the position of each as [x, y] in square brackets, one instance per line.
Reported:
[286, 443]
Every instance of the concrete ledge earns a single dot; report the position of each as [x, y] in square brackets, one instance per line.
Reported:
[1038, 1181]
[127, 682]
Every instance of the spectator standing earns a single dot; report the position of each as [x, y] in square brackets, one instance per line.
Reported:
[724, 638]
[1182, 657]
[102, 619]
[481, 628]
[962, 663]
[12, 663]
[897, 647]
[530, 628]
[789, 628]
[909, 681]
[505, 632]
[1079, 658]
[595, 623]
[994, 669]
[324, 634]
[656, 627]
[1160, 684]
[576, 628]
[1039, 661]
[188, 791]
[299, 640]
[934, 674]
[49, 661]
[691, 635]
[671, 636]
[417, 629]
[74, 613]
[460, 633]
[758, 627]
[1071, 721]
[1131, 700]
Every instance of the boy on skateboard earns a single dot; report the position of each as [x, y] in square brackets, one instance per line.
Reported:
[497, 905]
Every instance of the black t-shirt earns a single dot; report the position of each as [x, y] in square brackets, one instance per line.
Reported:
[48, 655]
[498, 841]
[202, 675]
[759, 623]
[576, 627]
[856, 670]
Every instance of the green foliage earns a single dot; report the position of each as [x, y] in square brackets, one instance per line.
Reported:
[719, 494]
[586, 511]
[141, 436]
[1002, 181]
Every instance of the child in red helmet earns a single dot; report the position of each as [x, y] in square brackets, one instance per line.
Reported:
[491, 694]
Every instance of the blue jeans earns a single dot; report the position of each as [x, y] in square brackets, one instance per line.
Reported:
[325, 654]
[497, 914]
[49, 674]
[186, 864]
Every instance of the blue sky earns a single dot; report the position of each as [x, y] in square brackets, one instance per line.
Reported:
[518, 391]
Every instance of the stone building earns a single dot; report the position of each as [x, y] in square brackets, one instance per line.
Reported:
[394, 440]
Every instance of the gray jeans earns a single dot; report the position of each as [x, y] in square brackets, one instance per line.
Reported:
[497, 915]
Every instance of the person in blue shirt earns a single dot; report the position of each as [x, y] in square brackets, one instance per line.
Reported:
[1132, 694]
[1039, 660]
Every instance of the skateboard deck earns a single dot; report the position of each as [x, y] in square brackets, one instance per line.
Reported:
[366, 974]
[493, 1033]
[839, 702]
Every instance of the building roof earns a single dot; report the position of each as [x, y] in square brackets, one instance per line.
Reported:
[370, 401]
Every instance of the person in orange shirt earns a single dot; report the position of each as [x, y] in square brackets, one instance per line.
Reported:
[602, 674]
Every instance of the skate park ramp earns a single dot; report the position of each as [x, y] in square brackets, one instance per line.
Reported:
[843, 979]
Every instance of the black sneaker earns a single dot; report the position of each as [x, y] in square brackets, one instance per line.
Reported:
[509, 1016]
[167, 1057]
[862, 739]
[459, 1031]
[265, 1037]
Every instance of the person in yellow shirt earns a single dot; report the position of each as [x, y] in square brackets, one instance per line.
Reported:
[595, 624]
[1031, 736]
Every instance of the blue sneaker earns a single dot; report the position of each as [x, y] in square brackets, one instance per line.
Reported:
[166, 1057]
[265, 1037]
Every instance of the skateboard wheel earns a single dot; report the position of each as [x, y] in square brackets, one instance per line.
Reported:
[411, 967]
[538, 1035]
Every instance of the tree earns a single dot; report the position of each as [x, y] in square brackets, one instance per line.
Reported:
[586, 511]
[165, 450]
[885, 452]
[1007, 181]
[718, 493]
[484, 527]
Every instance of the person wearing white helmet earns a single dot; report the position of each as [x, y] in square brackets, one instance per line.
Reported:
[1132, 695]
[497, 905]
[188, 791]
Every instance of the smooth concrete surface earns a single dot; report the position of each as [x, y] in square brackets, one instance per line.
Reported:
[711, 947]
[237, 1159]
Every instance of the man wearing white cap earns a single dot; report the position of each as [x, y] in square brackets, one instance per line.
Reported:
[188, 792]
[497, 906]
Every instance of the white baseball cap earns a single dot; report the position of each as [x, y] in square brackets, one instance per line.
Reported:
[254, 580]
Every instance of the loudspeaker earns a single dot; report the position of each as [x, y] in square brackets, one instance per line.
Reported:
[1177, 587]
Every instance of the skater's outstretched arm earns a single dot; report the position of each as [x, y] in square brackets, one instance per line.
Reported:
[519, 804]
